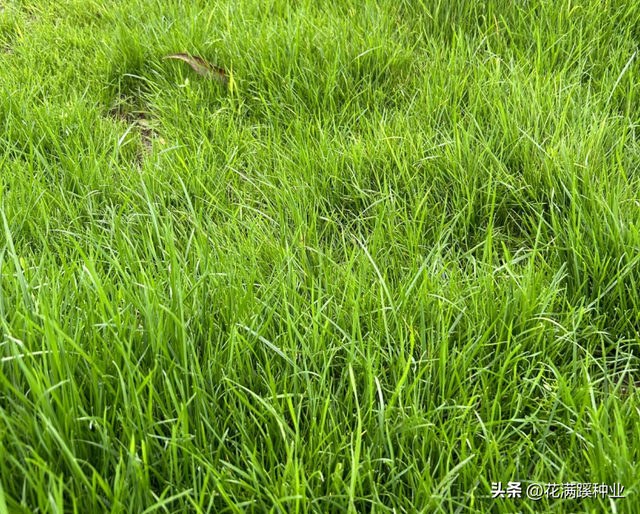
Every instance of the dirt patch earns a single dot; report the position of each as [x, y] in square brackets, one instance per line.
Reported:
[629, 385]
[131, 112]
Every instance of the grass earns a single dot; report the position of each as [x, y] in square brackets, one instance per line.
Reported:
[395, 262]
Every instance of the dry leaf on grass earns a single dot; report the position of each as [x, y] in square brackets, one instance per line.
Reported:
[202, 66]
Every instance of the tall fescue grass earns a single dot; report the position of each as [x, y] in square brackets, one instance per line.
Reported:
[396, 262]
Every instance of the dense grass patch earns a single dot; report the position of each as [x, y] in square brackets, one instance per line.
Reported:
[394, 261]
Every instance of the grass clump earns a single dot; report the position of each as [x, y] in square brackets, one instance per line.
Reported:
[393, 261]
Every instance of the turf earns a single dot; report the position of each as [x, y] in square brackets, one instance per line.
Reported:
[394, 260]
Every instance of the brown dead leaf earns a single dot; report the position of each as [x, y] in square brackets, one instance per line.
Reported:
[202, 66]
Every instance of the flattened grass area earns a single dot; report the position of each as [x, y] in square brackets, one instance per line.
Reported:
[393, 261]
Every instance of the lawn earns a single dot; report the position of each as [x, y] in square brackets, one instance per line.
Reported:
[391, 261]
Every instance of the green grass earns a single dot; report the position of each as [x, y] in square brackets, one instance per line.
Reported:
[397, 261]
